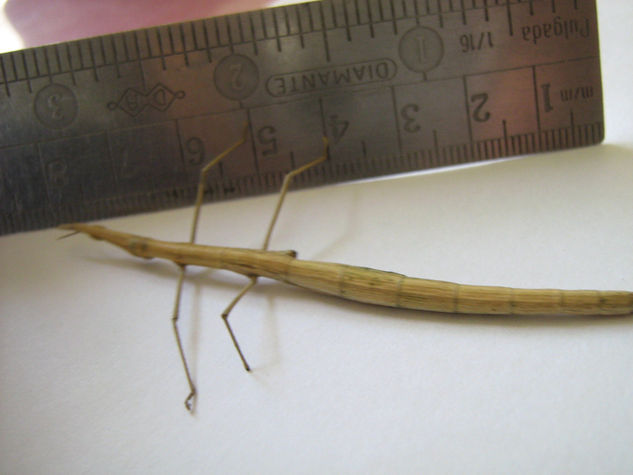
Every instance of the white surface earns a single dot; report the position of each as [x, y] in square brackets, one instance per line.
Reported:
[91, 381]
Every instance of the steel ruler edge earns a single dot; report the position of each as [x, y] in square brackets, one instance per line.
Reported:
[121, 123]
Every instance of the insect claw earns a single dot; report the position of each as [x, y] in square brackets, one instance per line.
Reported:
[191, 401]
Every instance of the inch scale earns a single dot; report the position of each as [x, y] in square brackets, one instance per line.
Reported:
[122, 123]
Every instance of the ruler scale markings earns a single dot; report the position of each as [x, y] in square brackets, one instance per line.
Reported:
[26, 71]
[393, 17]
[536, 103]
[370, 19]
[287, 22]
[36, 65]
[463, 7]
[467, 109]
[326, 45]
[183, 42]
[348, 31]
[276, 29]
[403, 5]
[440, 14]
[170, 40]
[262, 21]
[47, 63]
[5, 79]
[91, 55]
[477, 142]
[510, 25]
[71, 70]
[229, 35]
[416, 11]
[194, 37]
[207, 42]
[381, 12]
[333, 13]
[300, 26]
[396, 121]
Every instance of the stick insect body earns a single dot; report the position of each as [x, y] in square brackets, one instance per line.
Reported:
[349, 282]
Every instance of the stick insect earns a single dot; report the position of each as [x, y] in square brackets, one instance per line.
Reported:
[359, 284]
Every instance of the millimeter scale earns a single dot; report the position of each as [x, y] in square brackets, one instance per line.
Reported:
[122, 123]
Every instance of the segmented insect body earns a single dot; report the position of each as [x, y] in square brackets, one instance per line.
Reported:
[350, 282]
[372, 286]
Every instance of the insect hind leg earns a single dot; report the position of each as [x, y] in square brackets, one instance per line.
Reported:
[190, 400]
[253, 279]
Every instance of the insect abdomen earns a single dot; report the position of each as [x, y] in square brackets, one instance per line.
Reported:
[396, 290]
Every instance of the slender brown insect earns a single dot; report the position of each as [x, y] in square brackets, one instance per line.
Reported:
[349, 282]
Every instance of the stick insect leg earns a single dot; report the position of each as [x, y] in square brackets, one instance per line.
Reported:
[284, 189]
[253, 279]
[189, 401]
[225, 317]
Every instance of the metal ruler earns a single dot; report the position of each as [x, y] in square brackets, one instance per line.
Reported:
[122, 123]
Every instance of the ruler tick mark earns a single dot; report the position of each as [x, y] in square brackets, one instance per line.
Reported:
[5, 80]
[326, 45]
[161, 53]
[300, 26]
[35, 63]
[308, 9]
[510, 26]
[93, 61]
[394, 20]
[287, 21]
[183, 41]
[348, 31]
[26, 72]
[253, 33]
[276, 27]
[205, 32]
[47, 63]
[333, 13]
[467, 109]
[416, 12]
[229, 34]
[170, 37]
[216, 27]
[394, 103]
[194, 36]
[102, 50]
[70, 65]
[536, 101]
[371, 20]
[240, 27]
[262, 20]
[440, 16]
